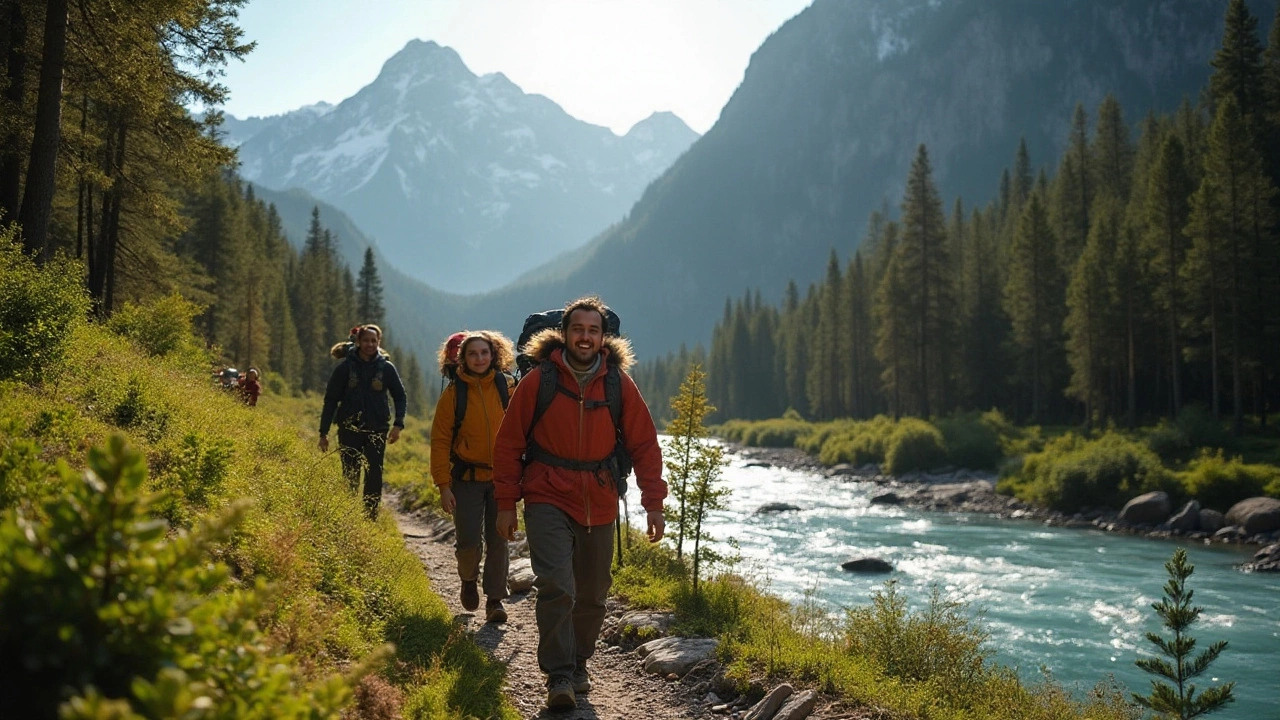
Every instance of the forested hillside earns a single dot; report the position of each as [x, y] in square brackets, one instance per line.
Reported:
[1139, 276]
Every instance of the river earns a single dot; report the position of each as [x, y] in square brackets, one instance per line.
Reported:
[1075, 602]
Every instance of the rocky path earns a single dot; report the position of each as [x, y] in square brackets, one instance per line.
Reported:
[622, 691]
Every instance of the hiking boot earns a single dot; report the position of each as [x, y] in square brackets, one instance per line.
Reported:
[560, 695]
[470, 595]
[581, 680]
[495, 613]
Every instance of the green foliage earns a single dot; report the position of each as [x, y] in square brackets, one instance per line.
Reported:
[859, 443]
[1177, 697]
[1220, 483]
[38, 309]
[784, 432]
[971, 441]
[103, 604]
[22, 472]
[161, 327]
[914, 445]
[1194, 429]
[943, 645]
[193, 474]
[1072, 473]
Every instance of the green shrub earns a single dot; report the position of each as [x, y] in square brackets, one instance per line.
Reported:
[1202, 429]
[1072, 473]
[775, 433]
[971, 442]
[1168, 441]
[192, 475]
[38, 308]
[103, 609]
[914, 445]
[160, 327]
[1220, 483]
[859, 443]
[22, 472]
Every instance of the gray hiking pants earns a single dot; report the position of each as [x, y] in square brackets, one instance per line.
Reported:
[476, 519]
[572, 565]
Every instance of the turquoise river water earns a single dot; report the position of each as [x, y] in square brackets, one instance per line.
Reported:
[1075, 602]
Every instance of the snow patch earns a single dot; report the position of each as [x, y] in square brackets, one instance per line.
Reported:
[549, 162]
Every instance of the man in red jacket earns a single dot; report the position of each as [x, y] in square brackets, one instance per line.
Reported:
[560, 468]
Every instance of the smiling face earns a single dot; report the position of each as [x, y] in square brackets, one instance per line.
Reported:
[477, 356]
[368, 344]
[583, 336]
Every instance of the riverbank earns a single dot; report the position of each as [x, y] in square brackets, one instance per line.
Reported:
[968, 491]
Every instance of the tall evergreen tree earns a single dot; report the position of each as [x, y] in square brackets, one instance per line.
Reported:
[369, 307]
[1167, 209]
[1237, 65]
[1033, 296]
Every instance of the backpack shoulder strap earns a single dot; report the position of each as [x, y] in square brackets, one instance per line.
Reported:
[548, 379]
[613, 395]
[459, 406]
[504, 390]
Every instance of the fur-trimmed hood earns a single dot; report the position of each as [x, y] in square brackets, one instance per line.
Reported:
[617, 349]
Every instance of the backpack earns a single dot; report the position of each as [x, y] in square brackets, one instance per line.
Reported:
[618, 462]
[537, 322]
[460, 466]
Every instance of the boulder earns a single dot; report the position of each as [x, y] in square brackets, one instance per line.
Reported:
[776, 507]
[1187, 519]
[887, 498]
[1228, 533]
[648, 623]
[1150, 508]
[520, 576]
[867, 565]
[1265, 560]
[798, 707]
[675, 655]
[841, 469]
[1255, 515]
[1211, 521]
[759, 464]
[769, 704]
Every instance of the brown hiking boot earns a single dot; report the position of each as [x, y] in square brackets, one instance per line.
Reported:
[560, 695]
[494, 612]
[581, 680]
[470, 595]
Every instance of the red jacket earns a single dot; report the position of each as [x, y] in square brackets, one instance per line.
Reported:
[569, 431]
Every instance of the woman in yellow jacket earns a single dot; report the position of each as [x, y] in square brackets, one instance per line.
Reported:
[462, 461]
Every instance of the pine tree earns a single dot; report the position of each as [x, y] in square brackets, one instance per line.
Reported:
[1033, 296]
[1073, 191]
[891, 311]
[1112, 153]
[1167, 208]
[1177, 698]
[1237, 65]
[823, 385]
[369, 307]
[1090, 312]
[681, 453]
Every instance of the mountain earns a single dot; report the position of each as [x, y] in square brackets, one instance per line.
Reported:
[465, 182]
[824, 126]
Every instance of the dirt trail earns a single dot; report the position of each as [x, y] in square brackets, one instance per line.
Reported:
[622, 691]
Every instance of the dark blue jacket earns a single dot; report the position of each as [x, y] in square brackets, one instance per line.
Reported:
[357, 395]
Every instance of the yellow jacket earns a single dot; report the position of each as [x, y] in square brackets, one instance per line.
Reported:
[474, 444]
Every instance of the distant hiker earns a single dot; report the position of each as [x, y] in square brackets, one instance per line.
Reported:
[467, 418]
[561, 465]
[250, 387]
[228, 378]
[450, 358]
[356, 399]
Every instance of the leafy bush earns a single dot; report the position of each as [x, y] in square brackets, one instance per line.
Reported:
[38, 308]
[1072, 473]
[192, 475]
[862, 442]
[914, 445]
[1195, 428]
[971, 442]
[160, 327]
[108, 615]
[1220, 483]
[22, 472]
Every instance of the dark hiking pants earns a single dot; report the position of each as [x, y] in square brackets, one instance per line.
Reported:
[572, 564]
[476, 523]
[362, 449]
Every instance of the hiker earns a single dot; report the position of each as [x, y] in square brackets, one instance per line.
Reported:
[250, 387]
[356, 399]
[466, 423]
[561, 466]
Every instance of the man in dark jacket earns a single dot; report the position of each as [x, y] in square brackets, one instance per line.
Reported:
[570, 496]
[356, 399]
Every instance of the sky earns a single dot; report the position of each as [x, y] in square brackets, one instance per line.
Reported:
[608, 62]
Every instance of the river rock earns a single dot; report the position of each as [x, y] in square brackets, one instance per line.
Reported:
[867, 565]
[1255, 515]
[1211, 521]
[798, 707]
[1265, 560]
[759, 464]
[520, 577]
[776, 507]
[675, 655]
[1187, 519]
[888, 498]
[1229, 533]
[840, 469]
[648, 623]
[1147, 509]
[769, 704]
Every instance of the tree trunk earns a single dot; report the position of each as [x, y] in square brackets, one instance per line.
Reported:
[11, 154]
[37, 198]
[111, 223]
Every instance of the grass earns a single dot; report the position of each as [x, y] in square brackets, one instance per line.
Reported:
[340, 587]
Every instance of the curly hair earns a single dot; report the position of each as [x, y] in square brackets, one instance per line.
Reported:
[590, 302]
[504, 354]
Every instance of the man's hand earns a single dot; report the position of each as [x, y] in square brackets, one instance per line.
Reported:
[507, 524]
[657, 525]
[324, 443]
[394, 436]
[448, 502]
